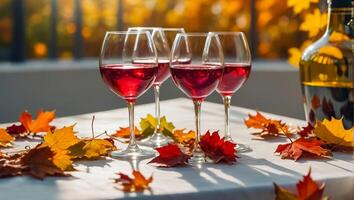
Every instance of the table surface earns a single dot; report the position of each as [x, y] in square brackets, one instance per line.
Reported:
[251, 177]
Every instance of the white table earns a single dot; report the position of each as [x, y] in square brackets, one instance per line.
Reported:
[250, 178]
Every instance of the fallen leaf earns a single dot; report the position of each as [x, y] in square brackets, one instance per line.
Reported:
[306, 131]
[10, 165]
[149, 123]
[296, 149]
[184, 138]
[300, 5]
[307, 189]
[269, 127]
[40, 124]
[170, 156]
[39, 163]
[333, 132]
[5, 138]
[136, 184]
[61, 138]
[124, 132]
[92, 148]
[218, 149]
[314, 22]
[17, 131]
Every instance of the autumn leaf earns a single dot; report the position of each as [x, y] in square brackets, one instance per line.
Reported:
[17, 131]
[39, 163]
[296, 149]
[314, 22]
[184, 138]
[306, 131]
[170, 156]
[124, 132]
[40, 124]
[10, 165]
[5, 138]
[269, 127]
[333, 132]
[307, 189]
[136, 184]
[92, 148]
[149, 123]
[300, 5]
[218, 149]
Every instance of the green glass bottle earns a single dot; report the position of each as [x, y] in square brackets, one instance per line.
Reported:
[327, 68]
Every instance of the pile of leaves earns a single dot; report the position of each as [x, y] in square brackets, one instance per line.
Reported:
[319, 140]
[215, 149]
[54, 155]
[148, 126]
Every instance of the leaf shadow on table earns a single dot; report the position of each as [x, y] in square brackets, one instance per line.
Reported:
[94, 163]
[247, 172]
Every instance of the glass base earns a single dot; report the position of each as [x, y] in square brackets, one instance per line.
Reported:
[132, 152]
[156, 140]
[240, 148]
[197, 159]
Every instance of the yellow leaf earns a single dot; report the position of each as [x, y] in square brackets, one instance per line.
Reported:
[300, 5]
[314, 22]
[98, 147]
[124, 132]
[333, 132]
[62, 160]
[5, 138]
[61, 139]
[183, 137]
[295, 56]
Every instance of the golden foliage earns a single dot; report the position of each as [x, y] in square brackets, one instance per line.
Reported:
[300, 5]
[314, 22]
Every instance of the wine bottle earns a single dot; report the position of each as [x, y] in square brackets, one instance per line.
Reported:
[327, 68]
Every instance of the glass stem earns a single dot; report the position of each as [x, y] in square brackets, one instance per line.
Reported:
[157, 108]
[132, 141]
[197, 109]
[227, 103]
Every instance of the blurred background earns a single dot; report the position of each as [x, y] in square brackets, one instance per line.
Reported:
[73, 29]
[49, 48]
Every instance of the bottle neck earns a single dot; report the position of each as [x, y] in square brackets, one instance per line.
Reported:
[340, 20]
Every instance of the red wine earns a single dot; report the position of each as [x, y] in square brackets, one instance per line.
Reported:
[163, 72]
[234, 76]
[196, 81]
[129, 82]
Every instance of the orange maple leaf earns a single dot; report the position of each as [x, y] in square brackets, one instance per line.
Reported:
[269, 127]
[124, 132]
[296, 149]
[5, 138]
[307, 189]
[40, 124]
[137, 184]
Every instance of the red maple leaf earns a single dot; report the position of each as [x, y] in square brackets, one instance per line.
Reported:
[170, 156]
[217, 148]
[296, 149]
[17, 130]
[305, 131]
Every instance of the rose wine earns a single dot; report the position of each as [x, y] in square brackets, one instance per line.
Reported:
[163, 71]
[196, 81]
[129, 81]
[234, 76]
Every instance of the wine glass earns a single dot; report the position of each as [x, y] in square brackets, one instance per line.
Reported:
[237, 68]
[163, 73]
[128, 66]
[196, 68]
